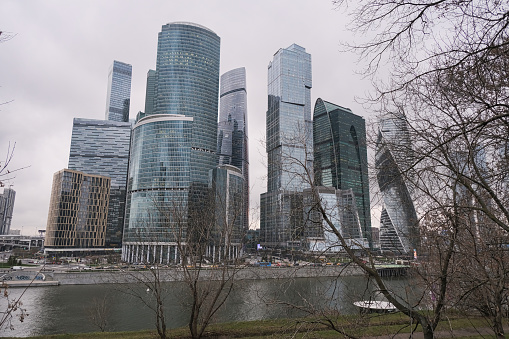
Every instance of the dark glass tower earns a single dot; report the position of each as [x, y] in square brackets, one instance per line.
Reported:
[288, 145]
[232, 139]
[119, 92]
[340, 156]
[174, 148]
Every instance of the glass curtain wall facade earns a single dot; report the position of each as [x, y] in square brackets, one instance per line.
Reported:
[78, 211]
[101, 147]
[158, 188]
[187, 83]
[399, 231]
[340, 156]
[150, 92]
[341, 210]
[6, 207]
[232, 138]
[119, 92]
[173, 149]
[288, 145]
[227, 185]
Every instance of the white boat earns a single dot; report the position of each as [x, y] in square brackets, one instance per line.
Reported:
[375, 306]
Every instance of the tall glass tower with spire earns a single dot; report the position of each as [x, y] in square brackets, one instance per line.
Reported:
[174, 148]
[288, 145]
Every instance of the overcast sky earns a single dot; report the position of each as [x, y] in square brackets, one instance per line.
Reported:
[56, 69]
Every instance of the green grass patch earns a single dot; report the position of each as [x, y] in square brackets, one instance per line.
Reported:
[311, 327]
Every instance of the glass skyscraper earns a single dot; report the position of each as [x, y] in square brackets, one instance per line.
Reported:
[119, 92]
[232, 139]
[227, 185]
[101, 147]
[340, 156]
[150, 92]
[288, 145]
[6, 207]
[174, 148]
[399, 231]
[340, 207]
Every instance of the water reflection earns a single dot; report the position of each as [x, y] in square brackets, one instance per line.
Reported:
[64, 309]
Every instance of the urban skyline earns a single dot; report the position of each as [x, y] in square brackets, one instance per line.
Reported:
[139, 52]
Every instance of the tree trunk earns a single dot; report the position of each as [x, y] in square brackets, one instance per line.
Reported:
[498, 327]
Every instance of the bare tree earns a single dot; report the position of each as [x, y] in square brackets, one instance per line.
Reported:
[98, 312]
[14, 308]
[207, 232]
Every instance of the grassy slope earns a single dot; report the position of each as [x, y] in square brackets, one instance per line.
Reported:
[295, 328]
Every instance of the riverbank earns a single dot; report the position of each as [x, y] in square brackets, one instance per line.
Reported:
[93, 277]
[373, 327]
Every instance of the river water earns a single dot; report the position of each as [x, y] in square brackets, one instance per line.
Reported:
[66, 309]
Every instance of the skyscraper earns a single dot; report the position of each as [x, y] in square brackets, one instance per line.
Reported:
[173, 149]
[227, 186]
[78, 211]
[394, 155]
[119, 92]
[150, 92]
[232, 139]
[340, 207]
[340, 156]
[6, 207]
[288, 145]
[101, 147]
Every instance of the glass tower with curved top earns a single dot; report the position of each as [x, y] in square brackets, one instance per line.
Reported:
[340, 159]
[399, 231]
[232, 139]
[174, 148]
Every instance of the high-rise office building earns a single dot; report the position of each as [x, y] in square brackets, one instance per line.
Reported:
[173, 149]
[78, 211]
[101, 147]
[232, 139]
[6, 207]
[394, 155]
[227, 188]
[288, 145]
[150, 92]
[340, 156]
[119, 92]
[340, 207]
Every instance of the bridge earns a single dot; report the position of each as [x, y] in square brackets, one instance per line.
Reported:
[9, 242]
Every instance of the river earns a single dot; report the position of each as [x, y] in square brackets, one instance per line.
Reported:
[66, 308]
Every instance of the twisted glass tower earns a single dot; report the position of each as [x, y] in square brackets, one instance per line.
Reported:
[232, 139]
[174, 148]
[399, 231]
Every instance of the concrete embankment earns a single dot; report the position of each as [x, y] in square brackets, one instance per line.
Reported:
[175, 274]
